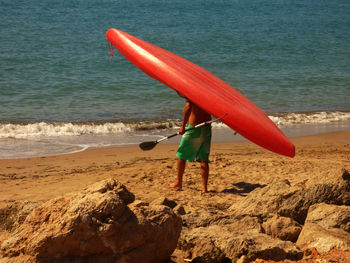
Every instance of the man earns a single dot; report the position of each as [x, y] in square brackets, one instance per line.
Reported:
[194, 145]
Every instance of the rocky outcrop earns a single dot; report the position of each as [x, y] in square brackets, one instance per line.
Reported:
[297, 205]
[293, 201]
[327, 227]
[217, 243]
[267, 223]
[98, 224]
[104, 223]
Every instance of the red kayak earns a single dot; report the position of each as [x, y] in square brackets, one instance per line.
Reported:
[204, 89]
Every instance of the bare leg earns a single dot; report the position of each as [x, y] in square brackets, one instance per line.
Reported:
[181, 165]
[205, 174]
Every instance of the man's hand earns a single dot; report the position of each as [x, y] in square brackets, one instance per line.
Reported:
[182, 130]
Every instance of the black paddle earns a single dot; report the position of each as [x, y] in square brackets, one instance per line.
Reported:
[146, 146]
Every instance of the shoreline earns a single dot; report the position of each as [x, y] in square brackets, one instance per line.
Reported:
[39, 179]
[62, 145]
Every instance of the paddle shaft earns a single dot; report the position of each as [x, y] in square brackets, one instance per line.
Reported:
[192, 128]
[146, 146]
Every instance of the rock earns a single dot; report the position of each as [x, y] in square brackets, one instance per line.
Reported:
[326, 228]
[330, 216]
[217, 243]
[201, 243]
[346, 174]
[164, 201]
[262, 246]
[95, 225]
[13, 215]
[193, 219]
[262, 202]
[263, 225]
[179, 210]
[292, 201]
[205, 251]
[297, 205]
[246, 223]
[283, 228]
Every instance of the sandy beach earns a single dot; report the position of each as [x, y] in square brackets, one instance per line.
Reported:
[146, 173]
[236, 169]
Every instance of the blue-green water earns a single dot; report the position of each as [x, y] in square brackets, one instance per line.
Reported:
[286, 56]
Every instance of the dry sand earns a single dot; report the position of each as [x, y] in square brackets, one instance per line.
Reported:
[236, 169]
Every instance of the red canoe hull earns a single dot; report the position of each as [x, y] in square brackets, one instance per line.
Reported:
[204, 89]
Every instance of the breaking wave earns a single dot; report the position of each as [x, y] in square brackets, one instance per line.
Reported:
[44, 129]
[309, 118]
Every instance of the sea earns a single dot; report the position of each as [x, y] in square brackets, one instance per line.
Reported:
[60, 92]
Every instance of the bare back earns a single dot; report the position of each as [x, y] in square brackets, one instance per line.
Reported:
[198, 115]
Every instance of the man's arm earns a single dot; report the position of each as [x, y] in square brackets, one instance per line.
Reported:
[186, 116]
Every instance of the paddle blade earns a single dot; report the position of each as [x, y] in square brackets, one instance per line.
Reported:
[146, 146]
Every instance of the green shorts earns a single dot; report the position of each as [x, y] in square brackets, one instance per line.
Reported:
[195, 144]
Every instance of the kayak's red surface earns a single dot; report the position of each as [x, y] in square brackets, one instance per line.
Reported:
[204, 89]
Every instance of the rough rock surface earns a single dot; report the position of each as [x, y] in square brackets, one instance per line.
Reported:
[293, 201]
[95, 225]
[230, 238]
[104, 224]
[262, 202]
[327, 227]
[267, 223]
[284, 228]
[13, 215]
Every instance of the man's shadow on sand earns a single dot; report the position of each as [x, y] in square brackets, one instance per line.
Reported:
[242, 188]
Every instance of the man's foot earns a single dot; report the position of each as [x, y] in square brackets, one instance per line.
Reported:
[175, 186]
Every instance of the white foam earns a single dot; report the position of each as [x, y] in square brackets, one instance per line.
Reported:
[310, 118]
[43, 129]
[303, 118]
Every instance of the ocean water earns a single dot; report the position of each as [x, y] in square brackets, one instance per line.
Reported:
[59, 91]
